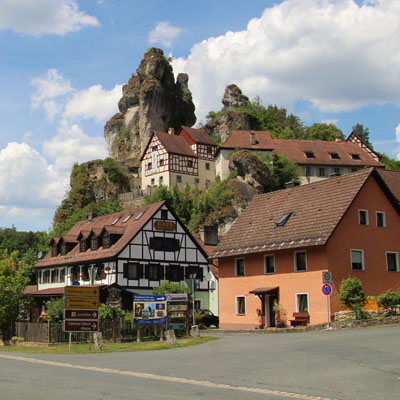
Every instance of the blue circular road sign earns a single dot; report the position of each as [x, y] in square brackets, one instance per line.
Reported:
[326, 289]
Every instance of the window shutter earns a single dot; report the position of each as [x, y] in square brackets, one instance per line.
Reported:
[140, 271]
[160, 272]
[125, 271]
[147, 272]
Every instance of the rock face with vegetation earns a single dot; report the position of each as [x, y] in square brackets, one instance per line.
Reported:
[151, 100]
[231, 117]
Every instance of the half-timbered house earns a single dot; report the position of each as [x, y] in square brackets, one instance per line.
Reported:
[137, 249]
[186, 158]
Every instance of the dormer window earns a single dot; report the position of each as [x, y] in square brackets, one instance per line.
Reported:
[94, 243]
[335, 156]
[106, 240]
[309, 154]
[82, 245]
[63, 249]
[282, 220]
[54, 251]
[355, 157]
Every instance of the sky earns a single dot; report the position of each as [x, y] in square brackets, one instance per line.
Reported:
[63, 64]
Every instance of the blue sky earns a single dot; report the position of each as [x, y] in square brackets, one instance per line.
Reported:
[63, 64]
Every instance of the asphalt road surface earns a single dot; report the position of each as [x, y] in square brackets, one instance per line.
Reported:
[347, 364]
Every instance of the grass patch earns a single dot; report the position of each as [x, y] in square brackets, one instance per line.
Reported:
[108, 347]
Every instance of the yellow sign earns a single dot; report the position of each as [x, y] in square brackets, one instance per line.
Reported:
[81, 302]
[165, 226]
[81, 291]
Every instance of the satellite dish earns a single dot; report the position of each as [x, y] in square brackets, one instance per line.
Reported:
[40, 254]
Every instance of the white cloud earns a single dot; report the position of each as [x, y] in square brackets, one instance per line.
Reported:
[164, 33]
[40, 17]
[94, 102]
[50, 86]
[71, 145]
[336, 54]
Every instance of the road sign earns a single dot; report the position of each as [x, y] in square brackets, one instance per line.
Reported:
[326, 277]
[81, 314]
[81, 326]
[176, 325]
[81, 302]
[326, 289]
[81, 291]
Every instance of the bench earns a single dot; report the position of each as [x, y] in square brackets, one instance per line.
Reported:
[300, 318]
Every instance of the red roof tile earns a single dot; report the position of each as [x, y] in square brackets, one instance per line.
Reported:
[392, 180]
[316, 210]
[199, 135]
[174, 144]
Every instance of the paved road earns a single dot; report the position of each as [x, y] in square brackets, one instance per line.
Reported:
[352, 364]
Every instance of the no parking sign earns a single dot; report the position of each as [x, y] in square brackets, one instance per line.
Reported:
[326, 289]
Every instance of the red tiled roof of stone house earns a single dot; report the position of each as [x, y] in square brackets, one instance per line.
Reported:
[314, 211]
[198, 135]
[127, 230]
[392, 180]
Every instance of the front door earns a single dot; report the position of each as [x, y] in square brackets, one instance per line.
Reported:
[269, 302]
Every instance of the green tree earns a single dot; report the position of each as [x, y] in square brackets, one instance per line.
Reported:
[14, 304]
[389, 300]
[362, 132]
[323, 131]
[283, 170]
[390, 164]
[106, 313]
[352, 295]
[55, 310]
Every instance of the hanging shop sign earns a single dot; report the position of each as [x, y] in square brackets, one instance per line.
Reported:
[150, 309]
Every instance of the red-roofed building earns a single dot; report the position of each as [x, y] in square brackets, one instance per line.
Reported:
[179, 159]
[317, 159]
[281, 244]
[136, 249]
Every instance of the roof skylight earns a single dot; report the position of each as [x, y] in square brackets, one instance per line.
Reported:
[355, 157]
[127, 218]
[139, 216]
[309, 154]
[115, 220]
[335, 156]
[282, 220]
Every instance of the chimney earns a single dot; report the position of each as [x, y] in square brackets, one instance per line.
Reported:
[91, 216]
[291, 184]
[252, 138]
[209, 235]
[171, 131]
[338, 138]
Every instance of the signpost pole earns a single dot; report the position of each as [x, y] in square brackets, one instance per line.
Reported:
[69, 342]
[329, 317]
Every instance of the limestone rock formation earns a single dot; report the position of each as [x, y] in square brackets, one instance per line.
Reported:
[151, 100]
[251, 169]
[230, 118]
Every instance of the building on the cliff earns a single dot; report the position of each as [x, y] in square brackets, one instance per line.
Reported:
[317, 159]
[179, 159]
[277, 250]
[137, 249]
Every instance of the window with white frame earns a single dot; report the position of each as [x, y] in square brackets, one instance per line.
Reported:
[302, 302]
[62, 275]
[321, 171]
[363, 217]
[239, 267]
[392, 261]
[380, 219]
[269, 264]
[300, 261]
[357, 260]
[240, 305]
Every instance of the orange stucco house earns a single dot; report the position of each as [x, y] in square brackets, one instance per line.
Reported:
[279, 247]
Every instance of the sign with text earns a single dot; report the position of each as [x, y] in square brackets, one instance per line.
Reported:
[81, 291]
[177, 297]
[150, 309]
[168, 226]
[80, 326]
[81, 302]
[81, 314]
[326, 277]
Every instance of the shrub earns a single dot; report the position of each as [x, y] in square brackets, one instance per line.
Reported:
[352, 295]
[389, 300]
[55, 310]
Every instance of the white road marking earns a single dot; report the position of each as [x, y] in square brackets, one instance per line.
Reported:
[167, 378]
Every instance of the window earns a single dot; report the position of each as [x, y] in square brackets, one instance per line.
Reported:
[164, 214]
[161, 162]
[175, 273]
[148, 166]
[100, 274]
[178, 179]
[85, 273]
[309, 171]
[54, 251]
[196, 181]
[153, 181]
[197, 304]
[380, 219]
[302, 302]
[335, 156]
[46, 276]
[357, 260]
[115, 220]
[190, 163]
[207, 166]
[209, 150]
[106, 240]
[353, 169]
[62, 275]
[54, 276]
[392, 261]
[363, 217]
[282, 220]
[193, 272]
[82, 245]
[300, 260]
[159, 243]
[154, 148]
[309, 154]
[270, 264]
[154, 272]
[63, 248]
[321, 171]
[94, 243]
[133, 271]
[355, 157]
[126, 218]
[336, 171]
[239, 267]
[161, 180]
[240, 305]
[75, 274]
